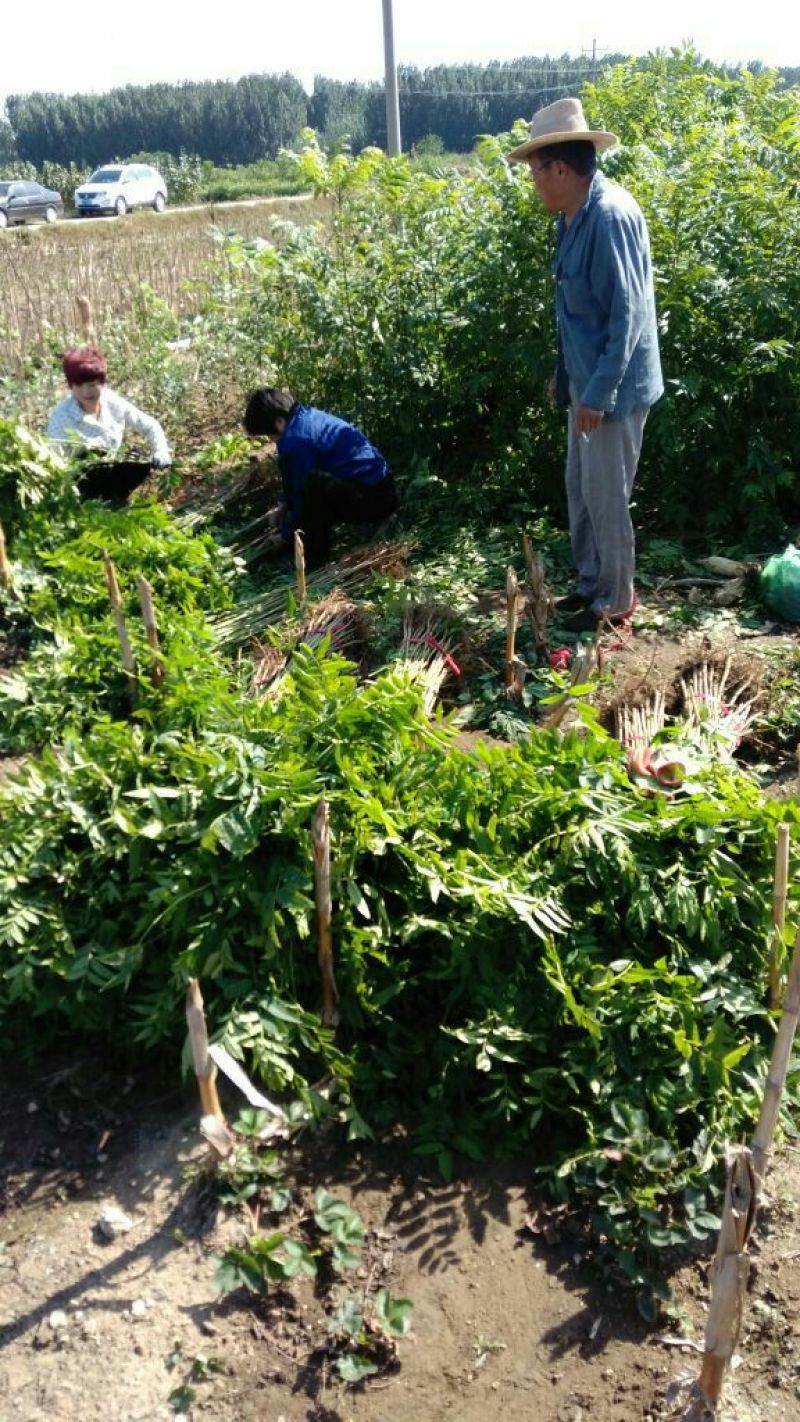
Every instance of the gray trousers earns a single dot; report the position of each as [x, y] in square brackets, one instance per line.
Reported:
[601, 468]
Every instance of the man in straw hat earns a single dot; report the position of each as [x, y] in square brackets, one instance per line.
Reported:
[608, 371]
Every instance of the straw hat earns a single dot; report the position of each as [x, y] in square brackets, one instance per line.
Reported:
[561, 122]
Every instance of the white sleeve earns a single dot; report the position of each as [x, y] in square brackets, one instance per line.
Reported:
[137, 422]
[61, 425]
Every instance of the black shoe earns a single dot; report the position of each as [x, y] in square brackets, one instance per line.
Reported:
[573, 602]
[584, 621]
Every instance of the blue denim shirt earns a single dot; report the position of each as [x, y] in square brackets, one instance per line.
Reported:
[605, 304]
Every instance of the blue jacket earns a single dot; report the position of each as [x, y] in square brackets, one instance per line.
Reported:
[605, 304]
[316, 441]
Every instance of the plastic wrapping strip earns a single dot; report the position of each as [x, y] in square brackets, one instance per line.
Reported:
[428, 640]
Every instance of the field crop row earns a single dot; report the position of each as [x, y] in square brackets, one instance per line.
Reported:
[44, 270]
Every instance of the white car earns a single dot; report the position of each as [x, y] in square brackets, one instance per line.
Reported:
[119, 187]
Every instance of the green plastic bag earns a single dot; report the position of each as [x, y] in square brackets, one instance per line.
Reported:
[780, 584]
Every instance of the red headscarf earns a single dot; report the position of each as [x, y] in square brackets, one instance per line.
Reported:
[84, 364]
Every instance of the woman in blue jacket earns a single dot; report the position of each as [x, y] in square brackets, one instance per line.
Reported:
[331, 473]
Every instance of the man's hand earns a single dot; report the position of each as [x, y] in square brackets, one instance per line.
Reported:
[551, 390]
[276, 516]
[587, 420]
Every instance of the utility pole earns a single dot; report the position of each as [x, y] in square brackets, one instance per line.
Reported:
[392, 96]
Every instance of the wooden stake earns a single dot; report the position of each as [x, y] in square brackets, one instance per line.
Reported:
[204, 1068]
[126, 653]
[730, 1272]
[742, 1196]
[5, 567]
[157, 672]
[300, 566]
[322, 894]
[779, 896]
[510, 673]
[761, 1143]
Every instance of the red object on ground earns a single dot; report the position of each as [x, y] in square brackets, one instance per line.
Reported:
[560, 658]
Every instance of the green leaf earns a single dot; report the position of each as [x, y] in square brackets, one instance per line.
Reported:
[181, 1398]
[252, 1120]
[354, 1368]
[393, 1315]
[348, 1317]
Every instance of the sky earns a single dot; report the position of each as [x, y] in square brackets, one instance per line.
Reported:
[56, 47]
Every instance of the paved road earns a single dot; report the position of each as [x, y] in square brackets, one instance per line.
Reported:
[167, 213]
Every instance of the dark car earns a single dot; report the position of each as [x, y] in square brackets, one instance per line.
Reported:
[28, 202]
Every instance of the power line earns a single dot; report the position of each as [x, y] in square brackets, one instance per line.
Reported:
[485, 93]
[511, 69]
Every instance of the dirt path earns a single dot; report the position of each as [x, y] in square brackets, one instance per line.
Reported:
[176, 210]
[505, 1326]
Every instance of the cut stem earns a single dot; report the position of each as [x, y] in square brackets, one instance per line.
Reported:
[126, 652]
[510, 674]
[300, 566]
[779, 896]
[538, 595]
[761, 1144]
[742, 1198]
[729, 1276]
[204, 1068]
[157, 673]
[86, 320]
[322, 893]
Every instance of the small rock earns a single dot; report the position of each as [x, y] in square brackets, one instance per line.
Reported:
[58, 1319]
[32, 1107]
[138, 1308]
[112, 1222]
[208, 1327]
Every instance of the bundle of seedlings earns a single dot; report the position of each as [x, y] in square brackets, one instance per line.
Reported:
[717, 707]
[202, 503]
[259, 537]
[336, 620]
[427, 652]
[248, 620]
[269, 667]
[341, 621]
[637, 727]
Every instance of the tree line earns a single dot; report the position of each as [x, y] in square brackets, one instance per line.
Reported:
[244, 120]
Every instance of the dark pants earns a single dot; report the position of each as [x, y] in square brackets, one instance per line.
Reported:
[113, 480]
[328, 501]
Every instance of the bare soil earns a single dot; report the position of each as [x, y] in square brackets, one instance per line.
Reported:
[505, 1326]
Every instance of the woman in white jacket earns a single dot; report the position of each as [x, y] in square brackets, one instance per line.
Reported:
[93, 419]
